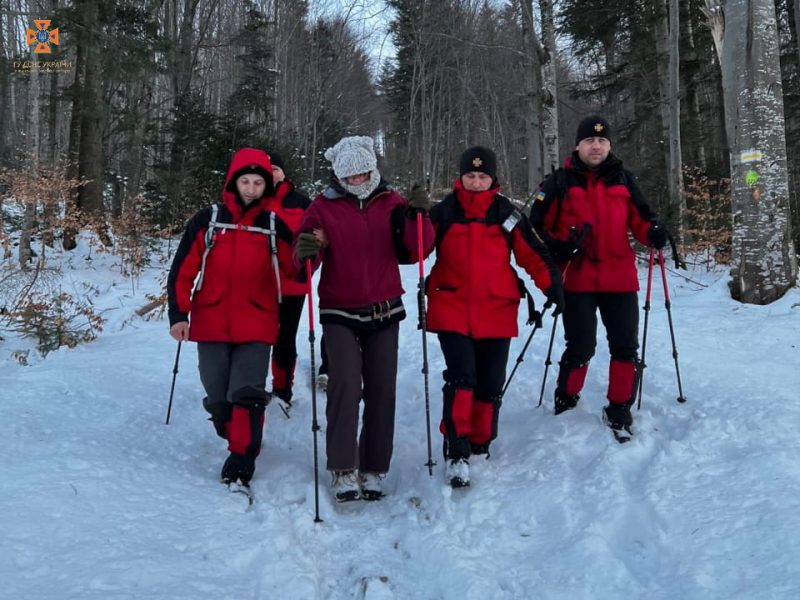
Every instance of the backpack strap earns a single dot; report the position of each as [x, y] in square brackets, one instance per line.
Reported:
[210, 240]
[209, 243]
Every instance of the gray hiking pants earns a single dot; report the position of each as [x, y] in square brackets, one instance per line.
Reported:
[355, 357]
[232, 372]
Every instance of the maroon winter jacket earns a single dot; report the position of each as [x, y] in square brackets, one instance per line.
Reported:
[473, 288]
[367, 240]
[238, 299]
[610, 202]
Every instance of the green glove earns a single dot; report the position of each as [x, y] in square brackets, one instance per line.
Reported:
[418, 199]
[307, 246]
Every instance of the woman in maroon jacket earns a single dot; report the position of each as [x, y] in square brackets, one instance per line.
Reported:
[238, 249]
[473, 298]
[290, 205]
[584, 213]
[361, 231]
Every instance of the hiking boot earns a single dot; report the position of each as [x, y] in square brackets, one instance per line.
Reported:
[322, 382]
[371, 485]
[345, 486]
[619, 419]
[238, 467]
[458, 472]
[565, 402]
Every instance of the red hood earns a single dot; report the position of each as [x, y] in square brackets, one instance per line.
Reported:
[475, 204]
[243, 158]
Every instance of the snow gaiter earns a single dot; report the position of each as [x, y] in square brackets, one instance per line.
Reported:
[457, 419]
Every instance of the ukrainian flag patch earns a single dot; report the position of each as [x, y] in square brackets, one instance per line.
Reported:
[539, 196]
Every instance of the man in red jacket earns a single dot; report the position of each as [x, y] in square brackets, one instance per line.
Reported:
[236, 250]
[584, 213]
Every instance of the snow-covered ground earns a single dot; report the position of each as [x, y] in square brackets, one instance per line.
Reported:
[100, 500]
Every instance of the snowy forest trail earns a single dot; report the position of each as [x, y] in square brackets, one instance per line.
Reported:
[100, 500]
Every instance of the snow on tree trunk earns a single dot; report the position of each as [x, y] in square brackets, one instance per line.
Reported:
[676, 197]
[550, 88]
[764, 260]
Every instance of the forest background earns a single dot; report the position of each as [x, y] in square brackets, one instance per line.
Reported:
[120, 116]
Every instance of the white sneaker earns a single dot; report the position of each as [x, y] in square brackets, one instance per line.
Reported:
[458, 472]
[371, 485]
[322, 382]
[345, 486]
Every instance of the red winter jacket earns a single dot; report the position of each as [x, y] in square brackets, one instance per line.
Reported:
[367, 239]
[473, 289]
[290, 206]
[238, 299]
[610, 202]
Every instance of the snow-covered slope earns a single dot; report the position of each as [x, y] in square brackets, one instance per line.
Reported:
[100, 500]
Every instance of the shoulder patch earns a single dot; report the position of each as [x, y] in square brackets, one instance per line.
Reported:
[540, 195]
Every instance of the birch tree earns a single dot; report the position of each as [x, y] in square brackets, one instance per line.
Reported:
[764, 263]
[549, 87]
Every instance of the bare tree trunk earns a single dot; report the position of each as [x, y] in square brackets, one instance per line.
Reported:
[49, 208]
[32, 139]
[764, 259]
[73, 149]
[675, 179]
[533, 79]
[550, 88]
[797, 23]
[90, 158]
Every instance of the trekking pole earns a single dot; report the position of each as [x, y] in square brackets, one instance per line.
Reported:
[172, 387]
[537, 324]
[314, 424]
[638, 382]
[547, 361]
[668, 305]
[422, 325]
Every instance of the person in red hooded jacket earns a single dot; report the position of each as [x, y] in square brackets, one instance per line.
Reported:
[584, 213]
[236, 250]
[473, 299]
[290, 205]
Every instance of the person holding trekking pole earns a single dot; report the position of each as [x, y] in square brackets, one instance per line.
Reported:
[584, 212]
[360, 230]
[237, 251]
[473, 300]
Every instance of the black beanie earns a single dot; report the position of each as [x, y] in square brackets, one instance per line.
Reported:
[277, 160]
[593, 127]
[479, 158]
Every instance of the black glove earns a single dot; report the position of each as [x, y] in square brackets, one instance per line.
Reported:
[576, 242]
[657, 235]
[307, 246]
[555, 297]
[419, 199]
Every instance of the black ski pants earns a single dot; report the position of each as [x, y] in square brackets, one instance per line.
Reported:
[619, 312]
[285, 350]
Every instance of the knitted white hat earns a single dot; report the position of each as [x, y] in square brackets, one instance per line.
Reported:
[352, 155]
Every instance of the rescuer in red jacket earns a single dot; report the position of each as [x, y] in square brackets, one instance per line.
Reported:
[290, 206]
[584, 213]
[473, 299]
[236, 250]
